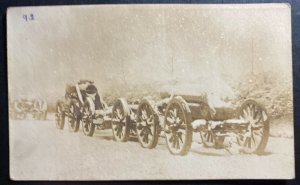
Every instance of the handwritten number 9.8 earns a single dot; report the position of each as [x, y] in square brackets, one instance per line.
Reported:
[28, 17]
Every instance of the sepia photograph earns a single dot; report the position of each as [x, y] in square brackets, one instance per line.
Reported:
[150, 92]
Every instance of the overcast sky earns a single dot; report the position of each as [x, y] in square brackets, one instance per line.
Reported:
[138, 43]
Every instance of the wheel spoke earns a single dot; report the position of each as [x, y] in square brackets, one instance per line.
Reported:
[177, 143]
[264, 115]
[174, 141]
[246, 142]
[249, 142]
[252, 137]
[145, 137]
[182, 126]
[142, 133]
[208, 137]
[171, 138]
[257, 113]
[150, 123]
[170, 120]
[258, 132]
[211, 138]
[150, 131]
[150, 119]
[116, 129]
[167, 130]
[180, 137]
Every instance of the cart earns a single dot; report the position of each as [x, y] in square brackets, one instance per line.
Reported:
[180, 116]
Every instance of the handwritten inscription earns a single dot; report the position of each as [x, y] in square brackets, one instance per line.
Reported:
[28, 17]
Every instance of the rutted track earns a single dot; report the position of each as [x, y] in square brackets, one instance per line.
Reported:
[40, 151]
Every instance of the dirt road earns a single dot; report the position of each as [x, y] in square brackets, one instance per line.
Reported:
[39, 151]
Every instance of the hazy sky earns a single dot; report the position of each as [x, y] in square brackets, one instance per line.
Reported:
[137, 44]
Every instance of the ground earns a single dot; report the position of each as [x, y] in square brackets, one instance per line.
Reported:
[39, 151]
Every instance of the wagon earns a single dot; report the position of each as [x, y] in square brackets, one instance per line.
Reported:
[22, 108]
[78, 112]
[180, 116]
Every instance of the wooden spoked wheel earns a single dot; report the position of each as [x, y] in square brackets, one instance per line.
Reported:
[255, 137]
[177, 127]
[147, 125]
[59, 116]
[120, 120]
[88, 127]
[73, 118]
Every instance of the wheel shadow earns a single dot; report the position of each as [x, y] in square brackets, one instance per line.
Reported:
[223, 152]
[103, 136]
[133, 139]
[266, 153]
[199, 149]
[110, 137]
[107, 138]
[208, 153]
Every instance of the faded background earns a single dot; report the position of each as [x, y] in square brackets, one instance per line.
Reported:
[134, 45]
[232, 51]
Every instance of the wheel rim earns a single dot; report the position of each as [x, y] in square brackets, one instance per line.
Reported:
[251, 138]
[87, 120]
[119, 119]
[175, 128]
[146, 124]
[58, 117]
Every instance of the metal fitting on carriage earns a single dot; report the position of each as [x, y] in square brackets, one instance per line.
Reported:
[214, 124]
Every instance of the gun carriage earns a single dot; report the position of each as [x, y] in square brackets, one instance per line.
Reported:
[176, 117]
